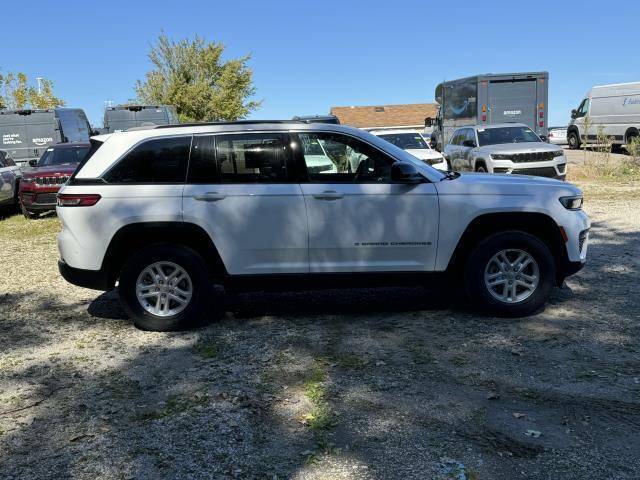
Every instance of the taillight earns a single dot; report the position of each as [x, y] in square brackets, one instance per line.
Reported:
[77, 200]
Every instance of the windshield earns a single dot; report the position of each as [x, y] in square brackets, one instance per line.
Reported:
[406, 141]
[312, 146]
[500, 135]
[61, 156]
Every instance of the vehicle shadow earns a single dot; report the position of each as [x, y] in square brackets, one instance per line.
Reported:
[351, 301]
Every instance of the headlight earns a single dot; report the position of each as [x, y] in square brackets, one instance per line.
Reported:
[571, 203]
[27, 180]
[500, 156]
[559, 153]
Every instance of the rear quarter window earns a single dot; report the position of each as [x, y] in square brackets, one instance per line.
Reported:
[160, 160]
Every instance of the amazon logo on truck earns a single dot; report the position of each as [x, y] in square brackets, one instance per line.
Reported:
[42, 141]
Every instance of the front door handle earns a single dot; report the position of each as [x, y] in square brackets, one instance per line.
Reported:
[328, 195]
[210, 197]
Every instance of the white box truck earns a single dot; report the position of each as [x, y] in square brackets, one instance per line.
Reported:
[607, 110]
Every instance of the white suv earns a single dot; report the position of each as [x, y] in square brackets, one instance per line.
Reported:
[511, 148]
[169, 211]
[414, 143]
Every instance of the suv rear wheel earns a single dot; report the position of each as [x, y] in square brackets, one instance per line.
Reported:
[510, 274]
[165, 287]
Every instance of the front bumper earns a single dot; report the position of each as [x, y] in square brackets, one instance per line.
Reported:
[556, 168]
[39, 198]
[94, 279]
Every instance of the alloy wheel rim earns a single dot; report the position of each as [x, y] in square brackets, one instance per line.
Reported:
[164, 289]
[511, 276]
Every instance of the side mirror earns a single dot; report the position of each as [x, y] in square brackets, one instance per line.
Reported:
[573, 113]
[543, 138]
[469, 143]
[428, 122]
[33, 163]
[404, 172]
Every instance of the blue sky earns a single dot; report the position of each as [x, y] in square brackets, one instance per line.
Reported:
[308, 56]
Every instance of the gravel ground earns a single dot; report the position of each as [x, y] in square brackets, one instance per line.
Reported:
[349, 384]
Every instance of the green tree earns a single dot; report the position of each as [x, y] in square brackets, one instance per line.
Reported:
[44, 98]
[19, 94]
[191, 75]
[16, 90]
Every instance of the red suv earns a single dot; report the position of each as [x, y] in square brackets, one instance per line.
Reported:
[40, 184]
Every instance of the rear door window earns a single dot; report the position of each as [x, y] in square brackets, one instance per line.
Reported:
[160, 160]
[252, 158]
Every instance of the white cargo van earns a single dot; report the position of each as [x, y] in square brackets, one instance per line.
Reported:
[613, 110]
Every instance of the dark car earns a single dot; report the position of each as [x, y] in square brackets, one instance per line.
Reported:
[40, 184]
[9, 180]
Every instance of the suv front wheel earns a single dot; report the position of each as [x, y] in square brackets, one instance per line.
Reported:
[510, 274]
[165, 287]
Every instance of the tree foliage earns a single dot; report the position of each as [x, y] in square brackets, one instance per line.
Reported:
[18, 94]
[192, 76]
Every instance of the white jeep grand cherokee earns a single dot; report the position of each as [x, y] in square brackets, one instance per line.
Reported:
[169, 211]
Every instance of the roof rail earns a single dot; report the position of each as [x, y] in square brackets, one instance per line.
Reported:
[235, 122]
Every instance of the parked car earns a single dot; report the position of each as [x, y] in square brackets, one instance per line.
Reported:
[414, 143]
[557, 135]
[607, 110]
[506, 148]
[40, 184]
[168, 211]
[9, 180]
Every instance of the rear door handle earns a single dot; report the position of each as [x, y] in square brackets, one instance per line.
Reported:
[328, 195]
[210, 197]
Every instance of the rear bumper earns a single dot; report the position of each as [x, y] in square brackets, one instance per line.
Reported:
[94, 279]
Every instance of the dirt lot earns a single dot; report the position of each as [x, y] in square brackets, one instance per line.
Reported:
[390, 383]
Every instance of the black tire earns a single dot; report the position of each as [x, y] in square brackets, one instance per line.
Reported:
[28, 214]
[573, 139]
[191, 262]
[478, 260]
[481, 168]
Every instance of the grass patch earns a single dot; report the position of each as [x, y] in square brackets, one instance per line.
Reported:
[16, 228]
[420, 354]
[351, 361]
[174, 405]
[210, 347]
[460, 360]
[320, 417]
